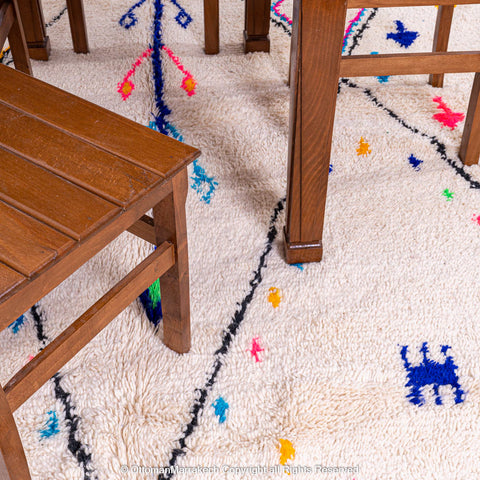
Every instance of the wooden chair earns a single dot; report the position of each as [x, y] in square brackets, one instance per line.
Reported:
[11, 27]
[73, 178]
[33, 21]
[317, 64]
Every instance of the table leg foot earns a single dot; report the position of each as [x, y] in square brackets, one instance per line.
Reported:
[301, 252]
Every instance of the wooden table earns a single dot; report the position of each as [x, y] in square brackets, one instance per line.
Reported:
[73, 177]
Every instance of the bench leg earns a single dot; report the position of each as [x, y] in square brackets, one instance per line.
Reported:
[170, 225]
[211, 19]
[76, 16]
[33, 22]
[470, 146]
[18, 44]
[318, 31]
[257, 25]
[13, 464]
[440, 40]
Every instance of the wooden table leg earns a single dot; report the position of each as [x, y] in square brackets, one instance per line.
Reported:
[76, 16]
[211, 19]
[257, 26]
[33, 22]
[440, 40]
[470, 146]
[13, 463]
[318, 31]
[171, 225]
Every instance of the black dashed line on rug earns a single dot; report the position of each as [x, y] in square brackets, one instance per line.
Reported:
[228, 335]
[38, 321]
[360, 31]
[282, 26]
[439, 146]
[72, 421]
[55, 19]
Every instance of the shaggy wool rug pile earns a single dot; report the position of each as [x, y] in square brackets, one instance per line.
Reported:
[365, 366]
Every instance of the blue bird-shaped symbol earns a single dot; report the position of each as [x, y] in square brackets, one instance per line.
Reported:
[402, 36]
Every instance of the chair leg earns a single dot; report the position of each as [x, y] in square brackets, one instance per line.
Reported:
[212, 30]
[13, 463]
[76, 16]
[31, 15]
[257, 26]
[312, 110]
[18, 44]
[440, 40]
[171, 225]
[470, 146]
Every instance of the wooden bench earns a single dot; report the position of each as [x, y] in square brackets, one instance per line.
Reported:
[73, 177]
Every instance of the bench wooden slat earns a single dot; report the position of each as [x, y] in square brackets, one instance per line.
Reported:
[119, 135]
[51, 199]
[27, 244]
[113, 178]
[9, 279]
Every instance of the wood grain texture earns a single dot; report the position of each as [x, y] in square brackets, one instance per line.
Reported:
[18, 43]
[7, 17]
[145, 229]
[409, 64]
[320, 32]
[440, 38]
[26, 245]
[115, 179]
[470, 146]
[51, 199]
[171, 226]
[78, 28]
[211, 18]
[9, 279]
[33, 22]
[257, 26]
[13, 463]
[118, 135]
[66, 345]
[19, 299]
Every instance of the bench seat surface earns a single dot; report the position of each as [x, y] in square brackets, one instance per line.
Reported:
[67, 169]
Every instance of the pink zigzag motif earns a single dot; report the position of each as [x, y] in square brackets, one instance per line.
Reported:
[275, 10]
[448, 118]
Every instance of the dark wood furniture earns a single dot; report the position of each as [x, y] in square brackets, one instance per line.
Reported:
[255, 34]
[35, 32]
[75, 176]
[11, 27]
[316, 66]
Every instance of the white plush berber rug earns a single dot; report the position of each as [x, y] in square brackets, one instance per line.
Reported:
[365, 366]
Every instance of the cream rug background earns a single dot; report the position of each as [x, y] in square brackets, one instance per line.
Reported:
[400, 268]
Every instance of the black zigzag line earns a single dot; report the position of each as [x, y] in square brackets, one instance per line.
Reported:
[38, 322]
[438, 145]
[281, 25]
[228, 335]
[360, 31]
[57, 17]
[72, 420]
